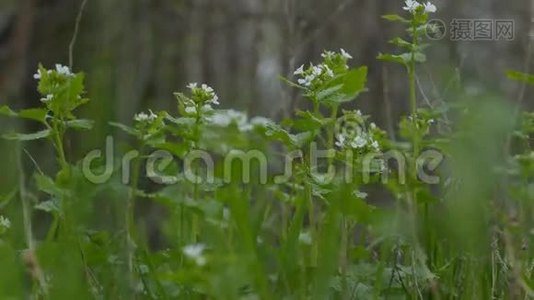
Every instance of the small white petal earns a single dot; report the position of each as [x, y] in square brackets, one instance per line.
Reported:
[411, 6]
[48, 98]
[299, 71]
[361, 195]
[305, 238]
[195, 252]
[340, 140]
[430, 8]
[214, 100]
[345, 54]
[358, 142]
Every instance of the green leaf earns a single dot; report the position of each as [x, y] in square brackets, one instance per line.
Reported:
[392, 58]
[307, 121]
[6, 199]
[6, 111]
[291, 140]
[354, 81]
[403, 59]
[395, 18]
[329, 92]
[36, 114]
[80, 124]
[50, 206]
[401, 43]
[347, 87]
[28, 136]
[519, 76]
[124, 128]
[46, 184]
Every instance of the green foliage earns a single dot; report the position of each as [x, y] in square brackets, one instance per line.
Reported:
[363, 220]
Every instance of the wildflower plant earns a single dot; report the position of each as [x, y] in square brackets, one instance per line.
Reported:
[331, 82]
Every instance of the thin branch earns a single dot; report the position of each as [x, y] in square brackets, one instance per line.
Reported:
[75, 34]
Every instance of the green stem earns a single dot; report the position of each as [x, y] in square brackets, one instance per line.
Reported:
[332, 133]
[411, 71]
[131, 237]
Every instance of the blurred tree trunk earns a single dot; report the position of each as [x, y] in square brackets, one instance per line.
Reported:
[18, 34]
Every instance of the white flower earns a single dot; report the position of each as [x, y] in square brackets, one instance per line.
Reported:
[220, 119]
[329, 72]
[37, 75]
[214, 100]
[260, 121]
[307, 81]
[144, 117]
[4, 222]
[63, 70]
[192, 85]
[345, 54]
[328, 54]
[361, 195]
[224, 118]
[372, 126]
[305, 238]
[47, 98]
[299, 71]
[226, 214]
[358, 142]
[375, 146]
[195, 252]
[206, 88]
[317, 70]
[191, 110]
[140, 117]
[207, 108]
[340, 140]
[246, 127]
[430, 8]
[411, 5]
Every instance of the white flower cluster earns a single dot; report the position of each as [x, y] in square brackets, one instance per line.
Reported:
[319, 73]
[60, 69]
[332, 54]
[64, 70]
[204, 96]
[413, 5]
[4, 223]
[144, 117]
[195, 252]
[223, 118]
[316, 72]
[360, 140]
